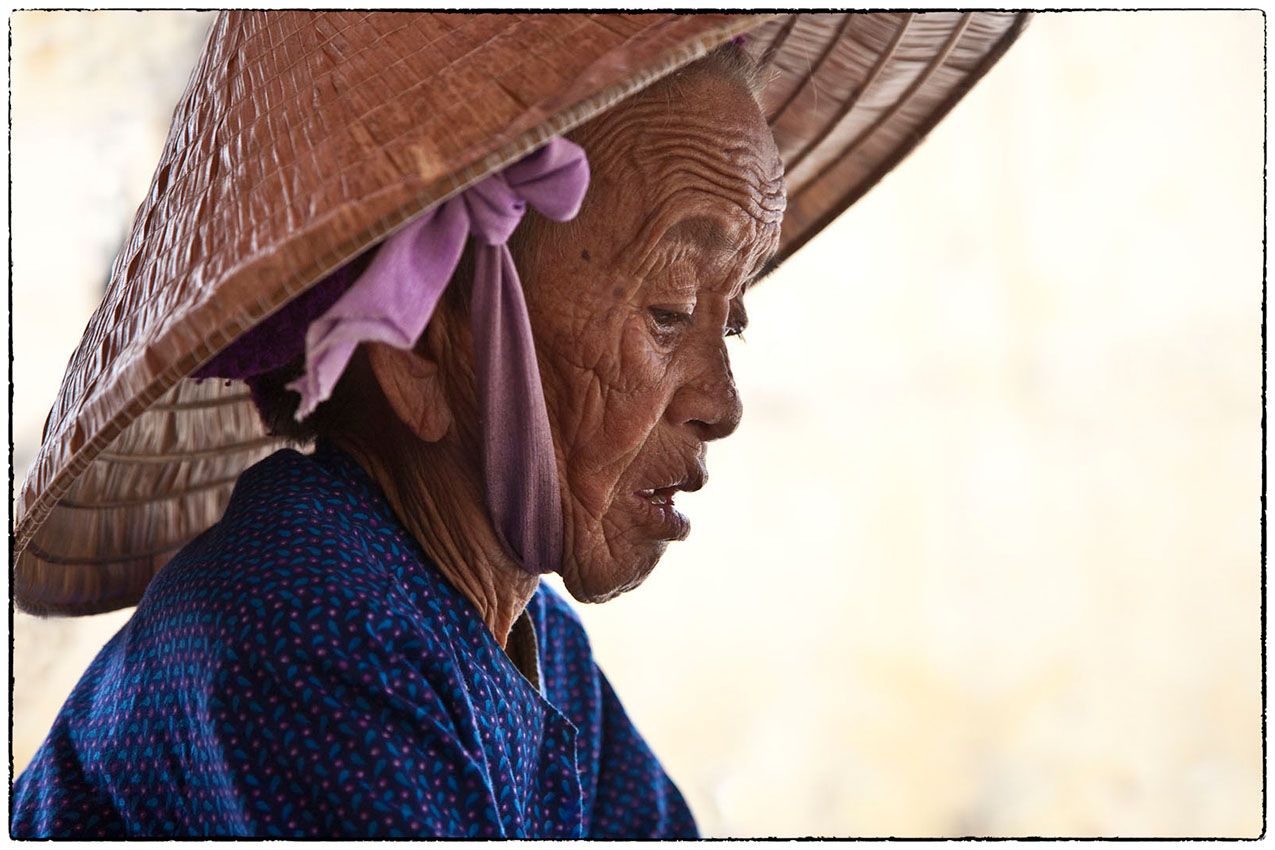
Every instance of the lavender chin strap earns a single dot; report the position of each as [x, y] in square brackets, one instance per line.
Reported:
[392, 301]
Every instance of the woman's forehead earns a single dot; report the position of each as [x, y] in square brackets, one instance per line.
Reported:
[703, 231]
[705, 115]
[685, 169]
[717, 235]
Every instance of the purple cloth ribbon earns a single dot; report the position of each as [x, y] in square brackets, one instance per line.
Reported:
[392, 301]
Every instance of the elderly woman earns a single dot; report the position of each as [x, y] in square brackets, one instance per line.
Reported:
[360, 643]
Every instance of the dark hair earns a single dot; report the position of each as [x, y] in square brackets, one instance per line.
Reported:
[278, 405]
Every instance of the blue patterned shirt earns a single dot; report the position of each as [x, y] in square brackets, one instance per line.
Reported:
[303, 669]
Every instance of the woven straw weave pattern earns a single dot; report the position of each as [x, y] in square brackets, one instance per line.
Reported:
[304, 137]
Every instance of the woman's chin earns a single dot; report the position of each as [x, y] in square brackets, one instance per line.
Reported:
[604, 578]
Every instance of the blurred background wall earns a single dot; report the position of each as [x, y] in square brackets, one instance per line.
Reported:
[983, 557]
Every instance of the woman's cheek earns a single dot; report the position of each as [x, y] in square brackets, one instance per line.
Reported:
[645, 362]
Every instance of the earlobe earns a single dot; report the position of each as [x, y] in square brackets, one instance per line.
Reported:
[411, 384]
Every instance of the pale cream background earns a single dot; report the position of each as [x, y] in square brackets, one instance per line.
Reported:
[984, 556]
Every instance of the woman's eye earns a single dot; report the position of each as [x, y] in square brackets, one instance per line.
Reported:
[666, 319]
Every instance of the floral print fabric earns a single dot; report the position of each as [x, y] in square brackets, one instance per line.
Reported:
[303, 669]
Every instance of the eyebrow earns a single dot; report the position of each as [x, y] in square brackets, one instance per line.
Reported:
[703, 230]
[709, 233]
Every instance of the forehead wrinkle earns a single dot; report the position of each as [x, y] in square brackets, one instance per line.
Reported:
[701, 230]
[672, 220]
[644, 135]
[734, 223]
[659, 148]
[675, 221]
[765, 204]
[676, 163]
[739, 163]
[638, 145]
[708, 234]
[752, 224]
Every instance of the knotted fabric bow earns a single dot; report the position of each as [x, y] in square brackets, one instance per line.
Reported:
[392, 301]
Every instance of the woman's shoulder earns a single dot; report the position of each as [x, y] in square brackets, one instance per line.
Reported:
[320, 493]
[305, 585]
[298, 534]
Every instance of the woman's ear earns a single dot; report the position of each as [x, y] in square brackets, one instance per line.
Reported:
[412, 385]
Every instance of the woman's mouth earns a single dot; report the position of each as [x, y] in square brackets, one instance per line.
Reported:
[657, 507]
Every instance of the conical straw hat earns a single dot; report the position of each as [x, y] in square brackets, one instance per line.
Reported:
[304, 137]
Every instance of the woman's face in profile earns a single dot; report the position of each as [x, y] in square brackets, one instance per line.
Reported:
[633, 305]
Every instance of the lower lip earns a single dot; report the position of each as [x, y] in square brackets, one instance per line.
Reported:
[672, 523]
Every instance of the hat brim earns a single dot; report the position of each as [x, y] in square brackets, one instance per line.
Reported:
[303, 138]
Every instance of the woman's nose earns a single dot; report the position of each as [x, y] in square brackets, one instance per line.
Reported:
[708, 401]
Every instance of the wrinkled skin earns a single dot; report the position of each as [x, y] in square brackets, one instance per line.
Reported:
[632, 304]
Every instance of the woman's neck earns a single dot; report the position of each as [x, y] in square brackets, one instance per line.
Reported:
[441, 505]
